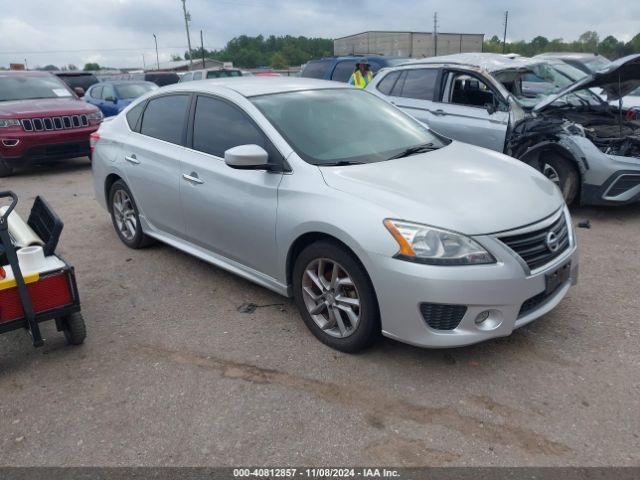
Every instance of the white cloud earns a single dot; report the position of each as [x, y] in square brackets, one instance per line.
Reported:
[119, 32]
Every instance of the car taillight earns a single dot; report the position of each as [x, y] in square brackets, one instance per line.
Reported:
[93, 139]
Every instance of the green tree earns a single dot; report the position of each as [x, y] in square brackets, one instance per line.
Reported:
[91, 66]
[278, 61]
[175, 58]
[49, 67]
[589, 41]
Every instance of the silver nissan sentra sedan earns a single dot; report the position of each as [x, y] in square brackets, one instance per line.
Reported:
[319, 191]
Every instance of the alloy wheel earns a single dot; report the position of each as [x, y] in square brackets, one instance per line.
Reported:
[331, 297]
[125, 215]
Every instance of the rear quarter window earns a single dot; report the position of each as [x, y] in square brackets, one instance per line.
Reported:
[317, 69]
[133, 116]
[386, 84]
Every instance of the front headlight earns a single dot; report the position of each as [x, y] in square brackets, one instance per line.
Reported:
[9, 122]
[425, 244]
[96, 116]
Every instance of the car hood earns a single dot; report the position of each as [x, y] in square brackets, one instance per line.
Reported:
[460, 187]
[617, 80]
[45, 106]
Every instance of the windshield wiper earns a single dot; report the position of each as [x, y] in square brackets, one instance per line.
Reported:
[425, 147]
[341, 163]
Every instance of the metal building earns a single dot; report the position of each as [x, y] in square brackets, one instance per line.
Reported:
[408, 44]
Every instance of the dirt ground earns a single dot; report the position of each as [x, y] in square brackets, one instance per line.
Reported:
[172, 373]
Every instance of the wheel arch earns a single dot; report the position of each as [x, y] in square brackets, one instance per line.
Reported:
[561, 151]
[108, 183]
[306, 239]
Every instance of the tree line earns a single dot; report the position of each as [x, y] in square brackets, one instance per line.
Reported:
[588, 42]
[280, 52]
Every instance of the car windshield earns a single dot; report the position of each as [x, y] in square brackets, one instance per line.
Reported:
[82, 81]
[596, 63]
[342, 126]
[545, 79]
[133, 90]
[19, 87]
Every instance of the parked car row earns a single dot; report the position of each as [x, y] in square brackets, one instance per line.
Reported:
[375, 209]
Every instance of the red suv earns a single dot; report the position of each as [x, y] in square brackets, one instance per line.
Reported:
[41, 119]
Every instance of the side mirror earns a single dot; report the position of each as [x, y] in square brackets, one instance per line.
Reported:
[248, 157]
[491, 108]
[79, 91]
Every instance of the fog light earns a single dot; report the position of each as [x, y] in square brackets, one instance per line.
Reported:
[480, 319]
[10, 142]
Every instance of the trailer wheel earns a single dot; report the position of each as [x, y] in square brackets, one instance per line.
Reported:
[74, 328]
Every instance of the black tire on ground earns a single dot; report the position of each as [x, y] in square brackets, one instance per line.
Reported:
[368, 328]
[565, 169]
[139, 240]
[74, 328]
[5, 169]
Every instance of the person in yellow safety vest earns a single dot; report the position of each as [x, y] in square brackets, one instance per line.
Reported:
[362, 75]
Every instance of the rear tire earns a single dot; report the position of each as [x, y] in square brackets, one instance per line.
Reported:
[5, 169]
[344, 330]
[126, 217]
[74, 328]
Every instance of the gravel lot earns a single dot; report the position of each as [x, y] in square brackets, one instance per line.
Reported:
[173, 374]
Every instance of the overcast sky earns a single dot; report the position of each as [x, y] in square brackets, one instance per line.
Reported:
[118, 32]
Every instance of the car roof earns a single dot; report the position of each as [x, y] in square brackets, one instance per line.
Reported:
[23, 73]
[491, 62]
[569, 55]
[73, 74]
[253, 86]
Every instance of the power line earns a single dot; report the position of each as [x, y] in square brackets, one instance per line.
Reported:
[504, 39]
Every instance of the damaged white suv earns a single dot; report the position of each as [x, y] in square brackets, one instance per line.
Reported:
[538, 110]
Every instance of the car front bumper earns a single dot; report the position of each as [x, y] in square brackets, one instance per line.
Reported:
[500, 289]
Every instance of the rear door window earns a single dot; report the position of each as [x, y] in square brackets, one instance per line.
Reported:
[343, 71]
[164, 118]
[197, 75]
[317, 69]
[420, 84]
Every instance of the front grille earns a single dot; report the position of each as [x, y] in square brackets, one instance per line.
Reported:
[535, 247]
[54, 123]
[622, 184]
[442, 317]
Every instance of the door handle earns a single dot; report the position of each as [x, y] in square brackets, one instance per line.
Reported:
[438, 112]
[193, 178]
[132, 159]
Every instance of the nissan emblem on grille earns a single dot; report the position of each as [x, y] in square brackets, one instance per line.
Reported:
[552, 241]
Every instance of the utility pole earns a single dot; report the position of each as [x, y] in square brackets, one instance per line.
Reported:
[157, 57]
[202, 49]
[504, 39]
[435, 34]
[187, 17]
[26, 66]
[144, 65]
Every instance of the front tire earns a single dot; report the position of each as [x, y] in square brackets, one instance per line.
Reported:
[126, 217]
[335, 297]
[5, 169]
[560, 171]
